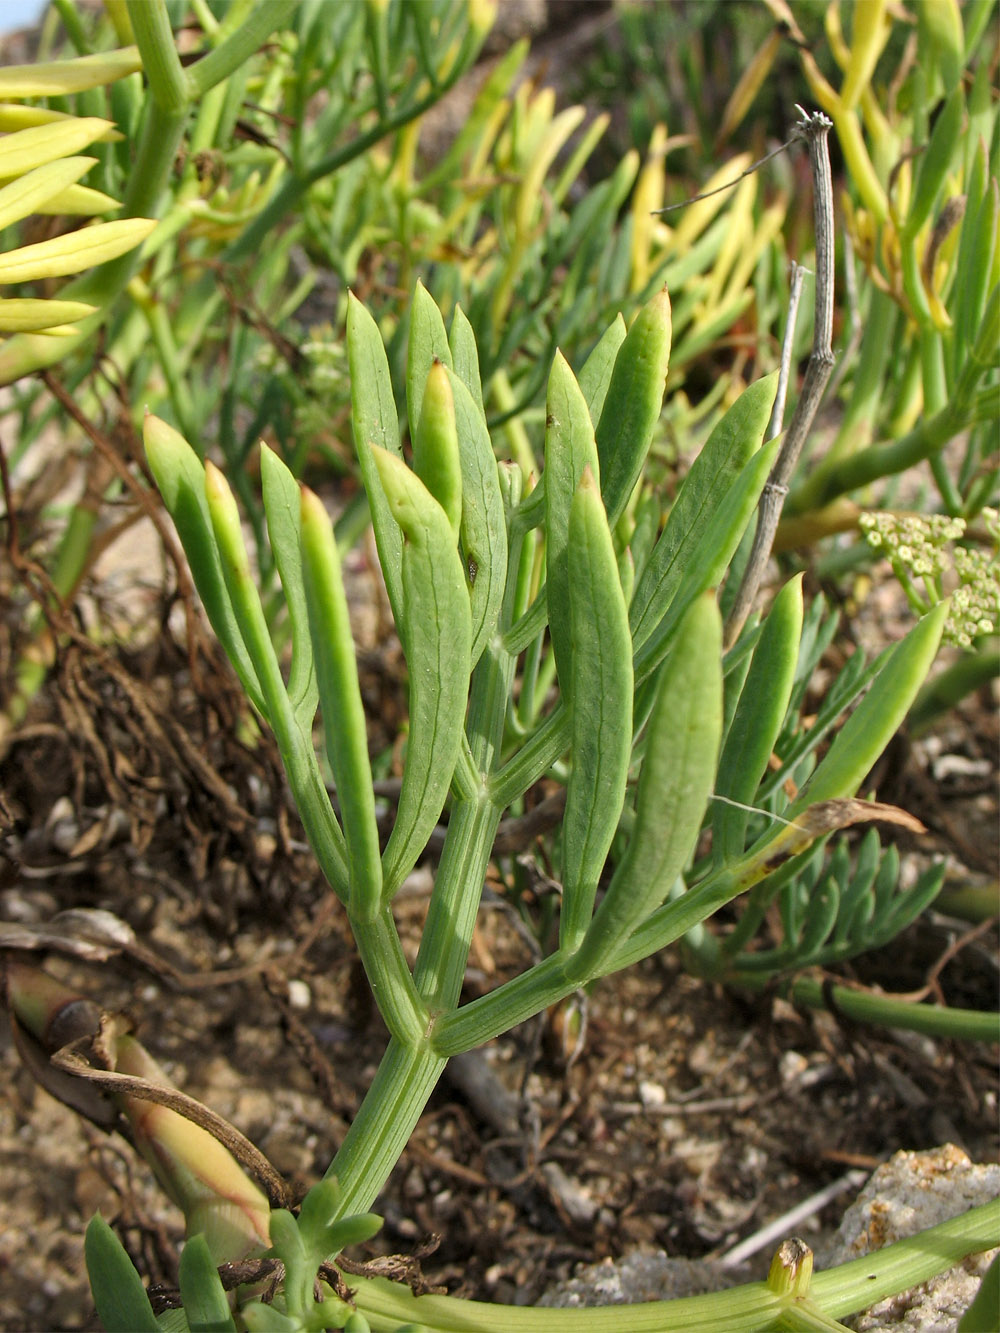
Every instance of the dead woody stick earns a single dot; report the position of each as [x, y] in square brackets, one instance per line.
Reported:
[814, 129]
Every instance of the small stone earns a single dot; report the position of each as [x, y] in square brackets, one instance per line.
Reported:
[652, 1095]
[299, 994]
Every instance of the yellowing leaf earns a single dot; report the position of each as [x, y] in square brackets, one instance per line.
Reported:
[74, 252]
[15, 116]
[698, 215]
[550, 142]
[31, 191]
[79, 201]
[871, 32]
[30, 315]
[748, 86]
[55, 78]
[27, 149]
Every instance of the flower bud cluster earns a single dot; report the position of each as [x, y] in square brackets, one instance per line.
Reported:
[929, 563]
[318, 387]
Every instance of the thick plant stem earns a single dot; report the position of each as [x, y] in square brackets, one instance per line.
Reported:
[161, 64]
[444, 945]
[814, 129]
[881, 460]
[382, 1128]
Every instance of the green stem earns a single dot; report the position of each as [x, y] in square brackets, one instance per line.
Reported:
[862, 411]
[258, 25]
[534, 758]
[935, 398]
[393, 989]
[934, 1020]
[512, 1003]
[33, 666]
[162, 332]
[451, 917]
[837, 1292]
[882, 460]
[160, 61]
[382, 1128]
[549, 982]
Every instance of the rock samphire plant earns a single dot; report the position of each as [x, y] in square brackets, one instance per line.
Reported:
[547, 632]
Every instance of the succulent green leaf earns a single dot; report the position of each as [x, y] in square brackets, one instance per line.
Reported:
[859, 886]
[355, 1230]
[632, 404]
[757, 721]
[465, 355]
[340, 702]
[982, 1313]
[974, 264]
[942, 41]
[373, 413]
[600, 698]
[120, 1297]
[436, 459]
[484, 527]
[264, 1318]
[180, 477]
[936, 163]
[79, 201]
[436, 633]
[704, 560]
[595, 377]
[205, 1302]
[283, 508]
[729, 448]
[318, 1208]
[570, 449]
[428, 343]
[678, 772]
[322, 1234]
[821, 917]
[242, 588]
[908, 904]
[300, 1273]
[876, 719]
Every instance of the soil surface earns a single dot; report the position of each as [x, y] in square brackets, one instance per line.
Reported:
[688, 1117]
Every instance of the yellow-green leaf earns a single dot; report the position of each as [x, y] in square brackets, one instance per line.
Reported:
[14, 116]
[32, 316]
[55, 78]
[74, 252]
[26, 149]
[28, 193]
[79, 201]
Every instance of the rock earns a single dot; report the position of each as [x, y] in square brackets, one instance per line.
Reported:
[907, 1194]
[638, 1277]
